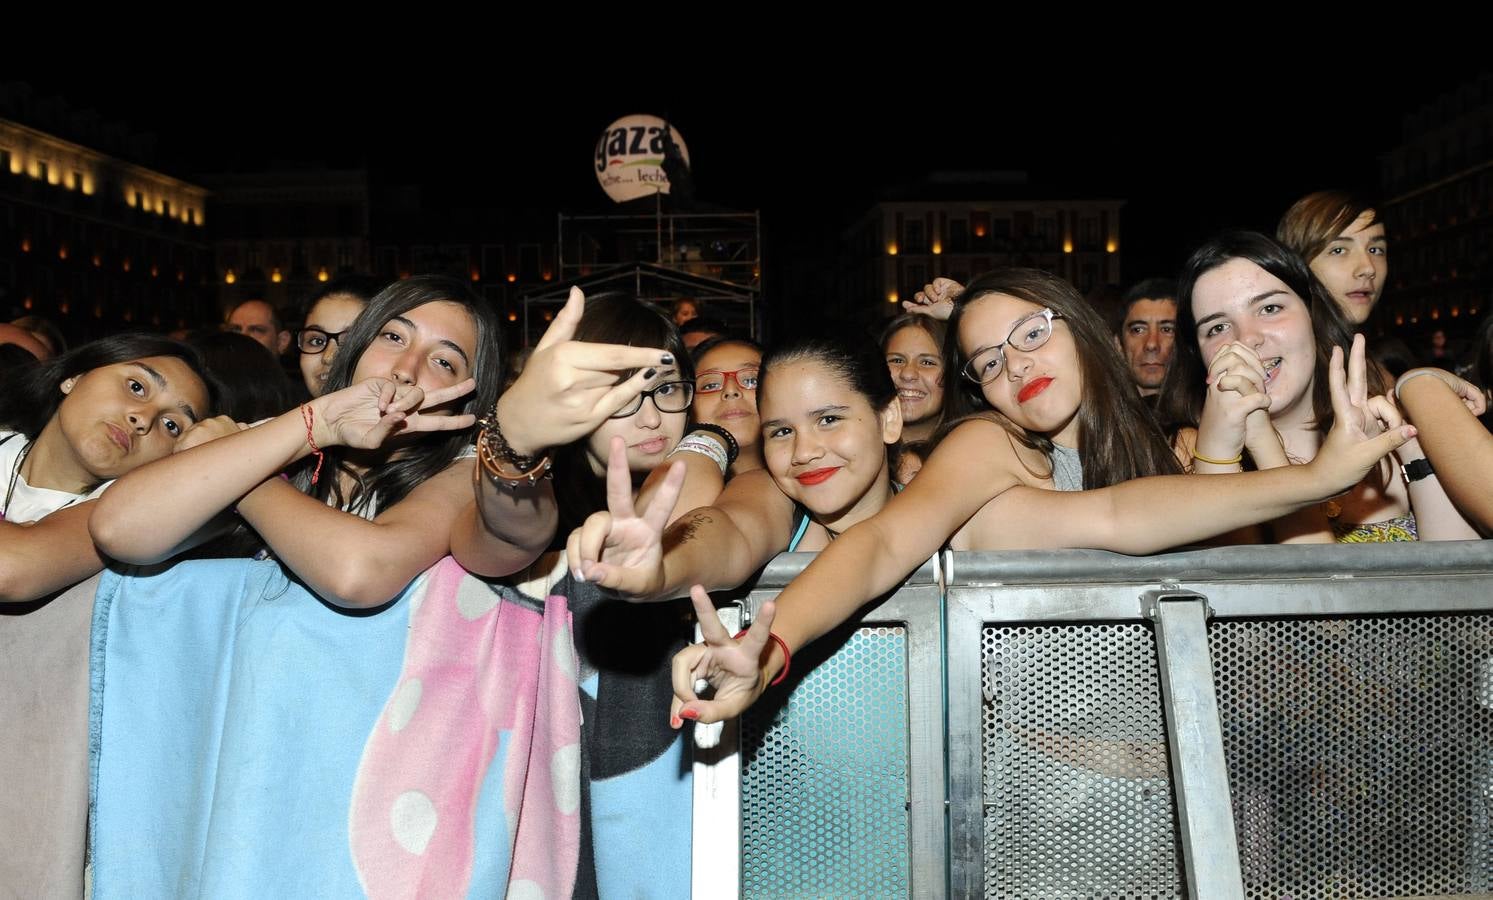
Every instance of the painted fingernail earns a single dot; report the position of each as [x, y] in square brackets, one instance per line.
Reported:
[690, 714]
[667, 359]
[676, 722]
[576, 574]
[649, 373]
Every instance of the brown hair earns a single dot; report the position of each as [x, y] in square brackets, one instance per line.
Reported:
[1317, 219]
[1118, 437]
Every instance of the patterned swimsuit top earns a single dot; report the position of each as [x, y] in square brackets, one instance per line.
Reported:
[1399, 528]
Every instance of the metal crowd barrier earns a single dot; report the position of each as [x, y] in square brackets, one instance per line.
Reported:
[1272, 721]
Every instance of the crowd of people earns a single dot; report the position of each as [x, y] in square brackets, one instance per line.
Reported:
[639, 457]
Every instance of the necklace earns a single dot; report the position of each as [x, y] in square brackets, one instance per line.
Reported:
[15, 476]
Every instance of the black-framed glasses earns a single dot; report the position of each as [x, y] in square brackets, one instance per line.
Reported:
[1029, 333]
[312, 341]
[669, 397]
[715, 382]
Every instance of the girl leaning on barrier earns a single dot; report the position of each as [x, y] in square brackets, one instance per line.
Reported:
[829, 412]
[1053, 412]
[71, 425]
[377, 467]
[1249, 379]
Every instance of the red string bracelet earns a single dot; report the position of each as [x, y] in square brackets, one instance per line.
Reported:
[783, 646]
[321, 457]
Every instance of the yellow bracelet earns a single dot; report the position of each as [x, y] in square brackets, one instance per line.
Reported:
[1218, 462]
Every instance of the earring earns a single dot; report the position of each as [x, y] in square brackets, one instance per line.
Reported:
[67, 385]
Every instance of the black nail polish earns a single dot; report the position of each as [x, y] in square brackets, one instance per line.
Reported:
[649, 373]
[667, 359]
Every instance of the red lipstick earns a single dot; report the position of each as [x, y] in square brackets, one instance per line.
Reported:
[1033, 388]
[817, 476]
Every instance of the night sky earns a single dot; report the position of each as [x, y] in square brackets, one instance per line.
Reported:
[1190, 153]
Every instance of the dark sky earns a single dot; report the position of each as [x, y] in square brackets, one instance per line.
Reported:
[1190, 152]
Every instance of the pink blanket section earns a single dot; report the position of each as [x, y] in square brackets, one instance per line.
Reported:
[474, 667]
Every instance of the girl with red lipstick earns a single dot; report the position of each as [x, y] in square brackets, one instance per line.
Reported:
[1053, 455]
[69, 426]
[1250, 381]
[829, 412]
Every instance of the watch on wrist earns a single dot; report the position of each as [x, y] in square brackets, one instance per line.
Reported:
[1416, 470]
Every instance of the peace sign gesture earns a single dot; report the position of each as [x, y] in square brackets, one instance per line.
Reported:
[1364, 429]
[733, 668]
[619, 548]
[365, 414]
[570, 387]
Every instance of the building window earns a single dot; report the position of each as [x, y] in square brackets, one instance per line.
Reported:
[42, 171]
[915, 237]
[5, 161]
[1047, 232]
[1088, 233]
[917, 276]
[958, 236]
[140, 199]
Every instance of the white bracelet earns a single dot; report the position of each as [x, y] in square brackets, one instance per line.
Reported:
[696, 442]
[1413, 373]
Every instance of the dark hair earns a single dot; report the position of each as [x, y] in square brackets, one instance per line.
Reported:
[938, 330]
[1482, 361]
[253, 385]
[1184, 390]
[611, 318]
[710, 344]
[1118, 438]
[275, 318]
[359, 287]
[704, 323]
[1148, 289]
[389, 482]
[31, 397]
[855, 361]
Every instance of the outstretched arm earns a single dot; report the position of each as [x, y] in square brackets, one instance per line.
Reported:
[1459, 447]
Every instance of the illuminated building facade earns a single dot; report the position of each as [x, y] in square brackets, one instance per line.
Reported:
[94, 242]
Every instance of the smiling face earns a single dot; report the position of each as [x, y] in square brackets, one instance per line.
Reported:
[916, 364]
[1038, 390]
[648, 433]
[1239, 301]
[115, 418]
[822, 441]
[730, 402]
[1353, 267]
[330, 315]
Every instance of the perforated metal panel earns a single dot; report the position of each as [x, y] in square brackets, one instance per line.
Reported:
[1077, 795]
[825, 778]
[1360, 753]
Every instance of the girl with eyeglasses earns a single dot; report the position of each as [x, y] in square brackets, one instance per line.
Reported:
[635, 781]
[1053, 453]
[727, 370]
[330, 311]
